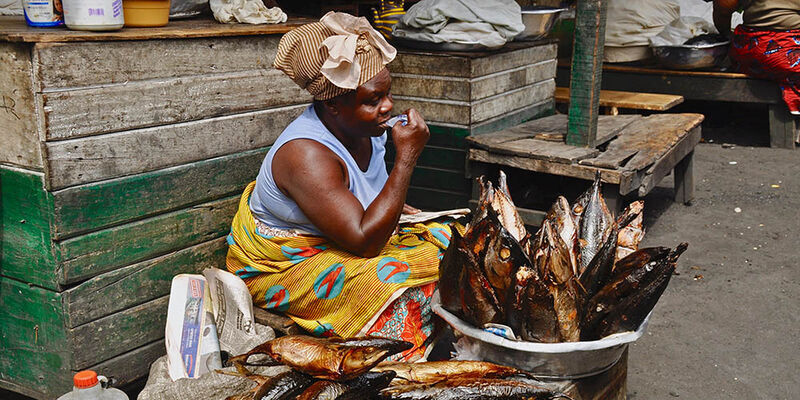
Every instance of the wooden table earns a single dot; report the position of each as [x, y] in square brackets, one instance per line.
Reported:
[637, 153]
[700, 85]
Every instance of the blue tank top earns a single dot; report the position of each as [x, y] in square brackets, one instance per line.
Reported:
[272, 208]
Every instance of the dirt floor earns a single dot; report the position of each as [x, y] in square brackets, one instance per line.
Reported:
[726, 326]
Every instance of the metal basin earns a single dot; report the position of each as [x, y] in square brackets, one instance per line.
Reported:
[538, 22]
[691, 56]
[570, 360]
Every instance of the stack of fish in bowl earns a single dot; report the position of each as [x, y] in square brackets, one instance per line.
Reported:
[566, 300]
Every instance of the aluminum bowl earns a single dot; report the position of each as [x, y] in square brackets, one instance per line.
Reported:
[691, 56]
[538, 22]
[569, 360]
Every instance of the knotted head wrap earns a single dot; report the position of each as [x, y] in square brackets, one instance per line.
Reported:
[333, 56]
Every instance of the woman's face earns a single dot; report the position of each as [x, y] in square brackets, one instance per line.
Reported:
[362, 113]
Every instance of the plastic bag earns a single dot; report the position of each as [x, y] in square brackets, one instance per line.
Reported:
[681, 30]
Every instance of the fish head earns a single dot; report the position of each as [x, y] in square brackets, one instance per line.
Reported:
[504, 255]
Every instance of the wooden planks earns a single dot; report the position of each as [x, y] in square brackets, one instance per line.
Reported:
[132, 365]
[26, 215]
[32, 337]
[639, 145]
[20, 140]
[632, 100]
[608, 127]
[14, 29]
[118, 333]
[664, 164]
[117, 107]
[544, 166]
[92, 254]
[84, 208]
[138, 283]
[64, 65]
[471, 64]
[84, 160]
[466, 89]
[471, 113]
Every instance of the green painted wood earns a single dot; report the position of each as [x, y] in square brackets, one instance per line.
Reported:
[130, 366]
[118, 333]
[587, 64]
[435, 157]
[138, 283]
[89, 255]
[432, 199]
[33, 340]
[26, 212]
[98, 205]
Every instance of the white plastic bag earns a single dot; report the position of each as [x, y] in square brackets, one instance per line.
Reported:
[681, 30]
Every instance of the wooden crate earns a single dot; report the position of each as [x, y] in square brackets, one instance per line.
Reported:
[463, 94]
[124, 166]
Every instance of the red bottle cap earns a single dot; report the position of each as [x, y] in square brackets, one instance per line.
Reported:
[85, 379]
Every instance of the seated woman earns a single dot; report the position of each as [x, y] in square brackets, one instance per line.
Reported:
[315, 235]
[767, 44]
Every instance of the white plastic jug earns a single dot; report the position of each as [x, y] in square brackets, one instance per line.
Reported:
[89, 386]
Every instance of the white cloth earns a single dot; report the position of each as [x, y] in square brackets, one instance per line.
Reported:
[632, 23]
[246, 11]
[10, 7]
[681, 30]
[487, 23]
[342, 67]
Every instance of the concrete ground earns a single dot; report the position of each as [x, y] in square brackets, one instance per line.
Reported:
[726, 326]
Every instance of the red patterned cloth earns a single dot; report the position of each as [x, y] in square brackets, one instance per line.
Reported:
[408, 318]
[773, 55]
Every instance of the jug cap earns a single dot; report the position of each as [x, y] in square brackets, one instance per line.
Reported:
[85, 379]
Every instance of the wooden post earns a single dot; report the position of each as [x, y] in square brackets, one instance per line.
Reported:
[587, 65]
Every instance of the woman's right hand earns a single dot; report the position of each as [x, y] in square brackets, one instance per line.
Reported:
[410, 139]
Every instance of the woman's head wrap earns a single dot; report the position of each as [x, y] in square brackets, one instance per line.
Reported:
[333, 56]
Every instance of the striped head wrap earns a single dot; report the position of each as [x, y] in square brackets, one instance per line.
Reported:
[333, 56]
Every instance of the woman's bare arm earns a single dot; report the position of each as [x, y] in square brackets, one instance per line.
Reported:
[316, 180]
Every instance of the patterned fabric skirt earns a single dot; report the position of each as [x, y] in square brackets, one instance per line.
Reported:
[773, 55]
[328, 291]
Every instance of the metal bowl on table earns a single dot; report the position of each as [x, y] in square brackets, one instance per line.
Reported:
[538, 22]
[691, 56]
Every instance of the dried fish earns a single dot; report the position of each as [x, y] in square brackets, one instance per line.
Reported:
[286, 385]
[631, 233]
[361, 387]
[326, 358]
[595, 226]
[466, 389]
[436, 371]
[624, 302]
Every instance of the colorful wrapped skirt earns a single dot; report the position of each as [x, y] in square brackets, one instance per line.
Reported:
[773, 55]
[328, 291]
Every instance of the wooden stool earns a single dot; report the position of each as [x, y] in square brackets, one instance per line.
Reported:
[613, 100]
[640, 151]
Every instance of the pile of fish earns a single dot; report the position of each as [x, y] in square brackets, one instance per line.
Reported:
[580, 277]
[335, 368]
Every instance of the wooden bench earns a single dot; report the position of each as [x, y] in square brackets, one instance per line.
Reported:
[700, 85]
[614, 99]
[640, 151]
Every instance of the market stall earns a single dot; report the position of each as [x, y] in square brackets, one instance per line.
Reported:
[124, 157]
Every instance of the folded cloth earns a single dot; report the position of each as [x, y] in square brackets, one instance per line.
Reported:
[246, 11]
[327, 290]
[489, 24]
